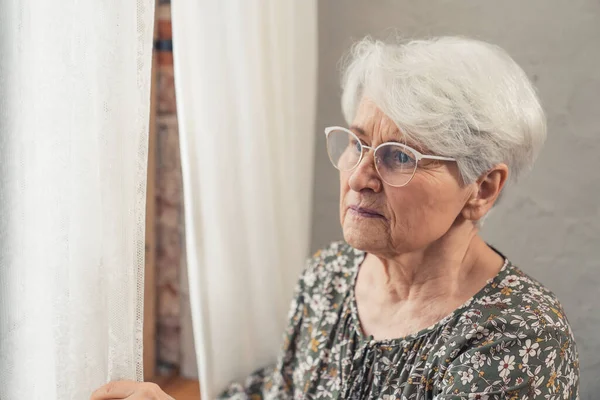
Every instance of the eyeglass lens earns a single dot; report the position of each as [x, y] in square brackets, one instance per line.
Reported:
[395, 163]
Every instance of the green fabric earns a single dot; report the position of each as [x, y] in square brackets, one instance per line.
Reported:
[510, 341]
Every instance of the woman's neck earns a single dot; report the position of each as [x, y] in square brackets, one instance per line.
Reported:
[450, 268]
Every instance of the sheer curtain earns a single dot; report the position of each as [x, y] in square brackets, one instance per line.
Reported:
[74, 109]
[245, 76]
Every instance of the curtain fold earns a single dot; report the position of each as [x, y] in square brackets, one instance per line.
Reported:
[245, 78]
[74, 110]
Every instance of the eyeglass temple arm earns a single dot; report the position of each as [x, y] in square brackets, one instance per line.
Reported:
[437, 158]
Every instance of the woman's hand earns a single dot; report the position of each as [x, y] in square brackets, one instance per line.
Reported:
[130, 390]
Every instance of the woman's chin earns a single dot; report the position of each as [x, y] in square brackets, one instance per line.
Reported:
[362, 238]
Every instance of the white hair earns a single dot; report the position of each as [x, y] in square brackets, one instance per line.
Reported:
[457, 97]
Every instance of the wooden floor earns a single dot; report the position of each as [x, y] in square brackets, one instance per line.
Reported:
[179, 388]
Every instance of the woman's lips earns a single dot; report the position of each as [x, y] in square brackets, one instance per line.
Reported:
[365, 212]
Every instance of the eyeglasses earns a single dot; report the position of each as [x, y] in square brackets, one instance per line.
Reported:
[395, 163]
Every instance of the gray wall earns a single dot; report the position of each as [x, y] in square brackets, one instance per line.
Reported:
[550, 223]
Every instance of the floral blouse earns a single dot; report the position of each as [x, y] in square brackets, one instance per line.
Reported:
[510, 341]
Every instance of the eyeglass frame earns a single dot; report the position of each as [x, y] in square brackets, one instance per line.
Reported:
[418, 155]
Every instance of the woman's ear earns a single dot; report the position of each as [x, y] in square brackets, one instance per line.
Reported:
[488, 188]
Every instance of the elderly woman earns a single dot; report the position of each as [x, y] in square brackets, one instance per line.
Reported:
[414, 304]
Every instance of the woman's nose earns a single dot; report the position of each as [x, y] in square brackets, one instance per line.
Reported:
[365, 176]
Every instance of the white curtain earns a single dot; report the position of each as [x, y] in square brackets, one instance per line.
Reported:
[74, 109]
[245, 76]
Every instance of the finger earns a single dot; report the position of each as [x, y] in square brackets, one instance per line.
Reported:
[115, 390]
[148, 391]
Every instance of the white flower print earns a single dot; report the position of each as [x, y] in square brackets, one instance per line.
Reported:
[340, 285]
[292, 310]
[550, 358]
[571, 377]
[529, 350]
[487, 301]
[506, 365]
[505, 301]
[334, 384]
[310, 362]
[519, 321]
[331, 317]
[478, 359]
[510, 281]
[519, 381]
[440, 352]
[336, 265]
[310, 277]
[466, 376]
[535, 292]
[536, 386]
[317, 303]
[566, 390]
[297, 374]
[471, 315]
[478, 396]
[480, 332]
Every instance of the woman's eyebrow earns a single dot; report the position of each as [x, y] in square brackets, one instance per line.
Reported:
[358, 130]
[402, 140]
[406, 142]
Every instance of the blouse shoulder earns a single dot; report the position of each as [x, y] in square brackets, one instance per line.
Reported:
[515, 340]
[338, 261]
[534, 299]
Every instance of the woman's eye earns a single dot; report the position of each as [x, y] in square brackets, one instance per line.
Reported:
[394, 158]
[401, 157]
[355, 144]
